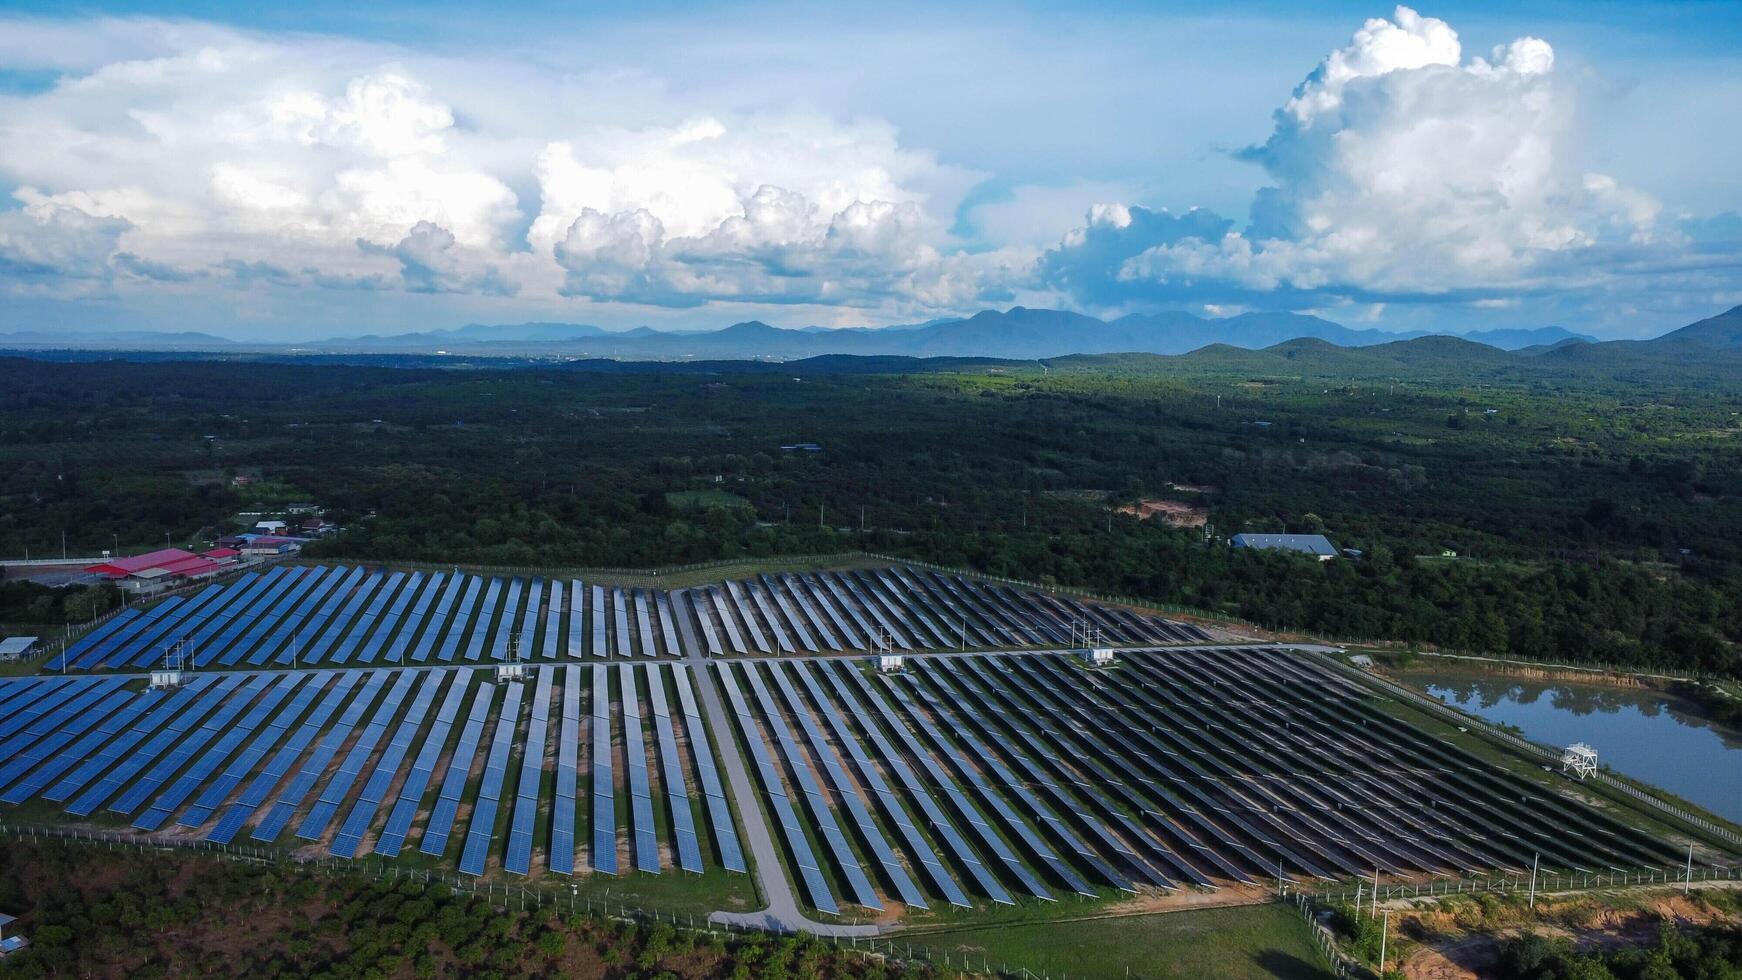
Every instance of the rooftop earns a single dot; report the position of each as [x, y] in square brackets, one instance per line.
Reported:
[1311, 544]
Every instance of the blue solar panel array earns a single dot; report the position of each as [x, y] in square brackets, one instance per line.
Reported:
[719, 811]
[519, 858]
[476, 850]
[604, 791]
[645, 837]
[441, 819]
[416, 783]
[356, 823]
[562, 811]
[677, 795]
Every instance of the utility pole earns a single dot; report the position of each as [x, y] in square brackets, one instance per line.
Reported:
[1688, 883]
[1535, 859]
[1384, 934]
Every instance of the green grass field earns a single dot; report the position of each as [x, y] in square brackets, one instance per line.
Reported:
[704, 499]
[1245, 943]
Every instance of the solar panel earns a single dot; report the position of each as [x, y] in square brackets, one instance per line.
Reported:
[481, 629]
[272, 824]
[441, 820]
[317, 643]
[698, 608]
[519, 860]
[719, 811]
[289, 641]
[182, 748]
[154, 744]
[553, 621]
[577, 640]
[640, 793]
[834, 592]
[61, 691]
[845, 792]
[410, 642]
[224, 648]
[230, 734]
[782, 585]
[476, 852]
[153, 637]
[667, 624]
[500, 636]
[984, 760]
[52, 760]
[815, 802]
[339, 784]
[261, 786]
[214, 619]
[620, 641]
[671, 768]
[417, 781]
[463, 613]
[722, 607]
[93, 644]
[258, 642]
[529, 620]
[739, 606]
[794, 620]
[776, 629]
[150, 623]
[164, 706]
[644, 624]
[562, 815]
[436, 625]
[368, 618]
[940, 823]
[816, 886]
[382, 619]
[356, 823]
[243, 763]
[53, 729]
[886, 799]
[601, 647]
[604, 789]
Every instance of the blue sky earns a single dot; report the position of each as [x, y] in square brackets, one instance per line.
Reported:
[285, 172]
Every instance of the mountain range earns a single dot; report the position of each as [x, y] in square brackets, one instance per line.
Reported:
[1015, 334]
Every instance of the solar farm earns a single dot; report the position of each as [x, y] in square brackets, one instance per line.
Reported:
[532, 729]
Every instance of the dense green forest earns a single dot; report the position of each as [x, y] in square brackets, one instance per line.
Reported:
[96, 913]
[1592, 518]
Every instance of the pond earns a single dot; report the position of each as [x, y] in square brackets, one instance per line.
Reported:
[1653, 736]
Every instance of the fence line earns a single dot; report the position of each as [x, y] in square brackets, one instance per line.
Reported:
[1444, 711]
[1508, 884]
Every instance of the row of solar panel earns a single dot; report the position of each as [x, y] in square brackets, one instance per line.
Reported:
[1030, 774]
[293, 615]
[296, 615]
[234, 750]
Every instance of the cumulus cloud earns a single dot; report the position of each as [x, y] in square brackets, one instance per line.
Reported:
[1400, 169]
[189, 159]
[431, 261]
[299, 162]
[47, 242]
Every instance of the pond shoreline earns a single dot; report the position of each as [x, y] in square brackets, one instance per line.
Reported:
[1650, 729]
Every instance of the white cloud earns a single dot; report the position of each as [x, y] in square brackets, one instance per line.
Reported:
[340, 164]
[1400, 169]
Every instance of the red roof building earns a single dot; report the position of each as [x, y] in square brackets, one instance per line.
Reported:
[123, 567]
